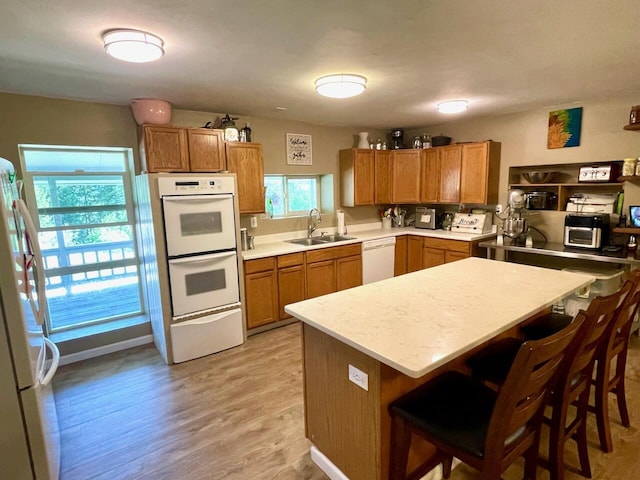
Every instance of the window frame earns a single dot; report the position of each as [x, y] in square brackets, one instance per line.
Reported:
[284, 179]
[87, 269]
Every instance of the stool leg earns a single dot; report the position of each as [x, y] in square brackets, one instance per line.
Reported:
[581, 434]
[602, 406]
[531, 460]
[446, 466]
[556, 442]
[622, 402]
[399, 451]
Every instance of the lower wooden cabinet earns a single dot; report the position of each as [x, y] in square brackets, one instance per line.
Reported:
[400, 257]
[438, 251]
[415, 245]
[261, 291]
[291, 281]
[332, 269]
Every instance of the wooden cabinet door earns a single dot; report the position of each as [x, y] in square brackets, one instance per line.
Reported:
[453, 256]
[321, 278]
[383, 177]
[291, 287]
[206, 150]
[451, 162]
[480, 172]
[364, 177]
[164, 149]
[400, 258]
[414, 253]
[432, 257]
[348, 272]
[357, 177]
[406, 176]
[261, 298]
[245, 160]
[430, 175]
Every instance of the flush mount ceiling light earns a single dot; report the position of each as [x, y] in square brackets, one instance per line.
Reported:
[344, 85]
[453, 106]
[133, 45]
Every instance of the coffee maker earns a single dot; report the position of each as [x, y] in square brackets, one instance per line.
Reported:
[397, 139]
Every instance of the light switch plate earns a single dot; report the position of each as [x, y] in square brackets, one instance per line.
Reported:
[254, 222]
[358, 377]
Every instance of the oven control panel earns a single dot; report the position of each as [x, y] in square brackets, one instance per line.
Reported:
[195, 185]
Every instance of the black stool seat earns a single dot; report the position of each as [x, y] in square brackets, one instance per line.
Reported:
[453, 407]
[545, 326]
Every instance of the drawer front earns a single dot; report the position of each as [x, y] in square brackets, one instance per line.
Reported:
[452, 245]
[290, 260]
[333, 253]
[259, 265]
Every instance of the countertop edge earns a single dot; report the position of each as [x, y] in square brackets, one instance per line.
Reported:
[283, 247]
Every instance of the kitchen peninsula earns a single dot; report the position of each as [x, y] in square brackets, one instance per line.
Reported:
[366, 346]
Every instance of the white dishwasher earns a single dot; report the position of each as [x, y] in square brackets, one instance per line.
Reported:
[378, 257]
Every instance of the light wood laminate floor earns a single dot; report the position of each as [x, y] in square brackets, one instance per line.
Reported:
[234, 415]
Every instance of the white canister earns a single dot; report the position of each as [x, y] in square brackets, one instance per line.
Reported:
[629, 167]
[386, 222]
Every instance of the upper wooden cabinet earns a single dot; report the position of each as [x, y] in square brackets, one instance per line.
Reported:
[383, 177]
[245, 160]
[356, 177]
[173, 149]
[206, 150]
[462, 173]
[406, 175]
[396, 180]
[164, 149]
[480, 171]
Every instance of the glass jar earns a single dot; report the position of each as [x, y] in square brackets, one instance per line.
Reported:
[629, 167]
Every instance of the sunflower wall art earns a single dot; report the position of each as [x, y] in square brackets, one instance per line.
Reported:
[564, 128]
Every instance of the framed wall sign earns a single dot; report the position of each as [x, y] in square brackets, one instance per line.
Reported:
[298, 149]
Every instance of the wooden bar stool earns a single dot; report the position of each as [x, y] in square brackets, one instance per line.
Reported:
[614, 348]
[573, 384]
[466, 419]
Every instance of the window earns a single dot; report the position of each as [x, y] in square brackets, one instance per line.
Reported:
[291, 195]
[81, 202]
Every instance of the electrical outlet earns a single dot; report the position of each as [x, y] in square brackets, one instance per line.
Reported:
[498, 208]
[254, 222]
[358, 377]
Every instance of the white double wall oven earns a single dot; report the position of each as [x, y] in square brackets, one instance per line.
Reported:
[200, 237]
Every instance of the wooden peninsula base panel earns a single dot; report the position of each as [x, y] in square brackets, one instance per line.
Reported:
[367, 346]
[348, 424]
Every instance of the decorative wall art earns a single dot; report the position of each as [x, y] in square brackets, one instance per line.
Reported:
[564, 128]
[298, 149]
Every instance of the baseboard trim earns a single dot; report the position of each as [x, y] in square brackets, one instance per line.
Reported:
[99, 351]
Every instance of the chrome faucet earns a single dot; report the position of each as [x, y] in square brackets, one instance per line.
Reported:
[311, 225]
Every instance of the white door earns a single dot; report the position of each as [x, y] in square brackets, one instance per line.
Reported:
[199, 223]
[203, 282]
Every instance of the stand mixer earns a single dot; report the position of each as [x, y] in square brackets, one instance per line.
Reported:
[515, 226]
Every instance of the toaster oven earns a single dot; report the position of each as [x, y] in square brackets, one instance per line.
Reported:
[586, 231]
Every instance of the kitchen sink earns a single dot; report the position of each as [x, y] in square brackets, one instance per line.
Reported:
[307, 241]
[334, 238]
[321, 240]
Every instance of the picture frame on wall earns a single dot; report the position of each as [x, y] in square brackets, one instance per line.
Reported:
[299, 150]
[564, 128]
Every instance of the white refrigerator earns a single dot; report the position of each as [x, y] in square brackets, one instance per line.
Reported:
[29, 438]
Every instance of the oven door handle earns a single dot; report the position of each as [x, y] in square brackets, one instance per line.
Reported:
[203, 258]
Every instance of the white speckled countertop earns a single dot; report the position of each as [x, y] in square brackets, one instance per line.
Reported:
[419, 321]
[276, 244]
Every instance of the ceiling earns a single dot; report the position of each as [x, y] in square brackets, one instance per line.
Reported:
[251, 57]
